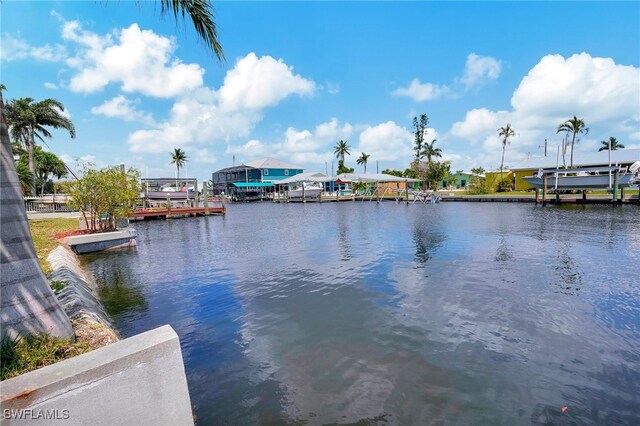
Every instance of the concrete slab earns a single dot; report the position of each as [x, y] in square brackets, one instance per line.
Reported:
[101, 241]
[136, 381]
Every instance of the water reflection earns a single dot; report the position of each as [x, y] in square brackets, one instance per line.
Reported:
[323, 314]
[118, 286]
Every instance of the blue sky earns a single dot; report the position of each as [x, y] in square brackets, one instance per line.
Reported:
[299, 76]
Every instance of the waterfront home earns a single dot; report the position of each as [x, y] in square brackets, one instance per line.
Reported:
[493, 177]
[529, 167]
[459, 180]
[252, 180]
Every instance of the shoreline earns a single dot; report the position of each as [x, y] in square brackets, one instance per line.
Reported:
[79, 299]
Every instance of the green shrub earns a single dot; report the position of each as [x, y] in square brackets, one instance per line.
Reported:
[479, 187]
[56, 285]
[504, 185]
[21, 355]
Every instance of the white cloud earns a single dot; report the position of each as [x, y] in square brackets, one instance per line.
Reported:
[386, 142]
[299, 146]
[123, 108]
[208, 117]
[13, 48]
[140, 60]
[595, 88]
[332, 88]
[257, 83]
[479, 69]
[252, 149]
[203, 156]
[313, 147]
[603, 93]
[49, 85]
[477, 124]
[421, 92]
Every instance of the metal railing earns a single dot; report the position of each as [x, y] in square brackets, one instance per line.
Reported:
[47, 203]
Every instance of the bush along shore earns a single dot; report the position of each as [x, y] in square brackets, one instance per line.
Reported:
[76, 292]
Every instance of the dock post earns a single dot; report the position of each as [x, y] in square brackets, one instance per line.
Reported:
[168, 206]
[557, 197]
[544, 190]
[304, 199]
[406, 191]
[206, 198]
[584, 196]
[621, 195]
[614, 199]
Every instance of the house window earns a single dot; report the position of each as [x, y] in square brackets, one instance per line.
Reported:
[286, 172]
[265, 172]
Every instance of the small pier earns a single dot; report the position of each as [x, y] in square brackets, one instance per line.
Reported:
[176, 212]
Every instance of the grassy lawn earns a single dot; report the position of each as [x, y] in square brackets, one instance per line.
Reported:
[43, 232]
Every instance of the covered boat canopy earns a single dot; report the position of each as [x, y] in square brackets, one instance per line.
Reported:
[372, 177]
[303, 177]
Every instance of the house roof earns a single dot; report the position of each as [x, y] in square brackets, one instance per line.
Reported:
[309, 176]
[271, 163]
[582, 159]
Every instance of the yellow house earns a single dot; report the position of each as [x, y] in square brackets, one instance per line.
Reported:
[492, 178]
[521, 184]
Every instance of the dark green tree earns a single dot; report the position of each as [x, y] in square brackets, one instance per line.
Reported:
[419, 131]
[614, 144]
[340, 150]
[362, 160]
[29, 120]
[573, 127]
[179, 158]
[505, 133]
[430, 151]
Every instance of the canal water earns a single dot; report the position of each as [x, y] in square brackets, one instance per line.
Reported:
[457, 313]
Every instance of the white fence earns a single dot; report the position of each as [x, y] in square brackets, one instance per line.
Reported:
[47, 203]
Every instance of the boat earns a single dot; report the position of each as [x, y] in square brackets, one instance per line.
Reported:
[306, 190]
[587, 178]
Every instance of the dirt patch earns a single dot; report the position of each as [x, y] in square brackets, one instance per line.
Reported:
[75, 232]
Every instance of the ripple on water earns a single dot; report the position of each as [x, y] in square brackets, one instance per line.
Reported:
[470, 313]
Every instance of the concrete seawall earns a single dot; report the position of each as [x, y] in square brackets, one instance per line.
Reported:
[79, 297]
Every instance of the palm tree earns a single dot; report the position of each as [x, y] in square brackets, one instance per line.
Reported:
[477, 170]
[48, 164]
[573, 126]
[363, 160]
[34, 309]
[28, 304]
[201, 14]
[28, 119]
[179, 158]
[614, 144]
[431, 151]
[342, 149]
[505, 132]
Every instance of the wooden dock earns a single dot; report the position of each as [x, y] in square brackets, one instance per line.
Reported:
[176, 212]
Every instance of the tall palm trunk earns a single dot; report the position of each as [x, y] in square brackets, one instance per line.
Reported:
[502, 162]
[32, 162]
[28, 306]
[572, 142]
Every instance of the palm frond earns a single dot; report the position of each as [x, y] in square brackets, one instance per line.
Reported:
[200, 12]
